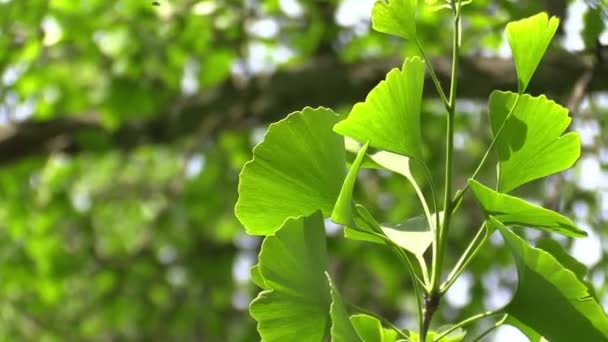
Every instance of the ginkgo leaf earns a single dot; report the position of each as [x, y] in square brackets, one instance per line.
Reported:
[293, 263]
[531, 145]
[512, 210]
[550, 299]
[369, 329]
[389, 119]
[297, 169]
[341, 327]
[396, 17]
[529, 38]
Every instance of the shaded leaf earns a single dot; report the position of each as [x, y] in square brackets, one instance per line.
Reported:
[292, 263]
[341, 327]
[512, 210]
[529, 38]
[297, 169]
[550, 299]
[389, 119]
[531, 145]
[396, 17]
[370, 329]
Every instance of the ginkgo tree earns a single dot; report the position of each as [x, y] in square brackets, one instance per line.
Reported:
[305, 171]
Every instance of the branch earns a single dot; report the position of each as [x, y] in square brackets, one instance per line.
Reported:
[324, 81]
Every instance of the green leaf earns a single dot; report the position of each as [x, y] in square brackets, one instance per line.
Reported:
[293, 264]
[370, 329]
[297, 170]
[531, 145]
[526, 330]
[529, 39]
[550, 299]
[396, 17]
[555, 249]
[593, 28]
[514, 211]
[343, 209]
[389, 119]
[341, 327]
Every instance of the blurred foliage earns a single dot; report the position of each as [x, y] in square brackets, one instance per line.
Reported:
[132, 236]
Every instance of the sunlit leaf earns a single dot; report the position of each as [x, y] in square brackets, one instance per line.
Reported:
[396, 17]
[531, 145]
[293, 264]
[529, 38]
[296, 170]
[389, 119]
[515, 211]
[550, 299]
[413, 235]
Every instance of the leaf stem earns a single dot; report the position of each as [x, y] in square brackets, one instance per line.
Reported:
[467, 321]
[432, 301]
[433, 74]
[468, 255]
[489, 330]
[461, 193]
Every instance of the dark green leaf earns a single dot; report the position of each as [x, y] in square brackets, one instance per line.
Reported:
[514, 211]
[293, 264]
[550, 299]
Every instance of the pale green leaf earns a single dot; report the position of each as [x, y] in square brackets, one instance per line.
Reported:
[341, 328]
[414, 235]
[396, 17]
[292, 264]
[257, 278]
[389, 119]
[515, 211]
[370, 329]
[531, 145]
[296, 170]
[550, 299]
[529, 38]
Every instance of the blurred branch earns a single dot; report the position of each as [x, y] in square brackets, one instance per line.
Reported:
[324, 81]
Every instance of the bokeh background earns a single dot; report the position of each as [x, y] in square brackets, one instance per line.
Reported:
[124, 125]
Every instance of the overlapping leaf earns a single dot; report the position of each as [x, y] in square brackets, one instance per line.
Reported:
[531, 145]
[296, 170]
[341, 328]
[550, 299]
[514, 211]
[389, 119]
[369, 329]
[529, 39]
[396, 17]
[296, 304]
[413, 235]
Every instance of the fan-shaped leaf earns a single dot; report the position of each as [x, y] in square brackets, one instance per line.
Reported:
[515, 211]
[529, 39]
[293, 264]
[389, 119]
[531, 145]
[298, 169]
[396, 17]
[550, 299]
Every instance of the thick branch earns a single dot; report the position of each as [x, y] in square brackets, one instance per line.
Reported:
[322, 82]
